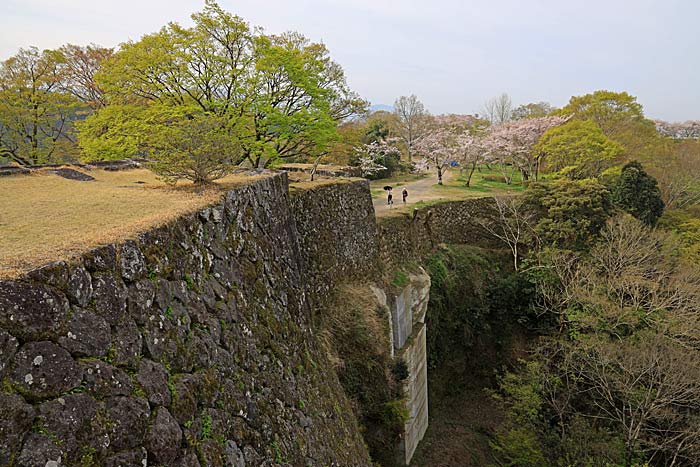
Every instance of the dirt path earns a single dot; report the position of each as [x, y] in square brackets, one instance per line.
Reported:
[420, 190]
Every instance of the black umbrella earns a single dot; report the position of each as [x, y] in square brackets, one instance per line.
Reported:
[388, 188]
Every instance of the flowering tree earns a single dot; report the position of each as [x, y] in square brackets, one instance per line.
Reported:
[679, 130]
[438, 146]
[470, 152]
[512, 145]
[372, 158]
[453, 138]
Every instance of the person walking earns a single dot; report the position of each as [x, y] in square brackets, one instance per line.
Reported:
[389, 199]
[404, 195]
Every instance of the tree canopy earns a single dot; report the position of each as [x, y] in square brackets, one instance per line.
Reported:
[281, 95]
[578, 148]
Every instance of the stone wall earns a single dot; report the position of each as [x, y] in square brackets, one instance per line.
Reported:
[337, 233]
[192, 344]
[409, 237]
[189, 345]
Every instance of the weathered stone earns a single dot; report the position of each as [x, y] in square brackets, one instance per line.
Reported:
[140, 300]
[69, 421]
[127, 343]
[109, 296]
[188, 459]
[72, 174]
[55, 274]
[251, 456]
[128, 418]
[164, 294]
[132, 458]
[31, 312]
[234, 271]
[8, 348]
[131, 261]
[234, 456]
[43, 369]
[104, 380]
[165, 334]
[184, 397]
[40, 451]
[87, 335]
[17, 417]
[163, 438]
[153, 378]
[202, 348]
[103, 258]
[211, 452]
[79, 288]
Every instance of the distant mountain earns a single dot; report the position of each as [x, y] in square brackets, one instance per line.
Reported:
[378, 107]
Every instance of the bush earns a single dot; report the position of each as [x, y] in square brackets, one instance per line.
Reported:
[493, 178]
[200, 149]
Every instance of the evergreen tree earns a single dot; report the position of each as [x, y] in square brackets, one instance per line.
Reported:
[637, 193]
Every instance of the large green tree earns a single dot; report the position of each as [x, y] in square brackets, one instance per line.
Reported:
[281, 96]
[578, 148]
[36, 114]
[621, 118]
[606, 108]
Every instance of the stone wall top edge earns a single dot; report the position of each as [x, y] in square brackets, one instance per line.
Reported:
[37, 274]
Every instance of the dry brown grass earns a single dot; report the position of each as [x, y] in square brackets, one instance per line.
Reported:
[44, 217]
[320, 182]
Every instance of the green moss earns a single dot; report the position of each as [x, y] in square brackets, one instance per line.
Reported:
[400, 279]
[395, 414]
[190, 282]
[7, 386]
[206, 426]
[276, 451]
[87, 458]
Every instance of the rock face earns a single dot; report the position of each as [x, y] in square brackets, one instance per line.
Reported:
[189, 345]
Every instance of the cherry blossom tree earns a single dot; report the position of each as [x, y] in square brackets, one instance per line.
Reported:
[679, 130]
[470, 151]
[511, 145]
[372, 157]
[437, 146]
[453, 138]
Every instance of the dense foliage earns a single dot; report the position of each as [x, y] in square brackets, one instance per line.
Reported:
[578, 149]
[277, 96]
[637, 193]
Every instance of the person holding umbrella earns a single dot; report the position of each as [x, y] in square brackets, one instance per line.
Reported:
[389, 196]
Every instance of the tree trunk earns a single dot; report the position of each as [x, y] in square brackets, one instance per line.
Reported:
[471, 172]
[313, 169]
[439, 170]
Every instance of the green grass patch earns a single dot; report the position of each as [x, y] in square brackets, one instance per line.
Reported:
[400, 279]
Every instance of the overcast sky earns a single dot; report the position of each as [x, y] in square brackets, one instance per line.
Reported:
[452, 54]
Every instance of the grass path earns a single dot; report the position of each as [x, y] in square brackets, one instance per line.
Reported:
[424, 190]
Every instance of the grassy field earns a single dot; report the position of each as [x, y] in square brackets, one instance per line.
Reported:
[44, 217]
[425, 191]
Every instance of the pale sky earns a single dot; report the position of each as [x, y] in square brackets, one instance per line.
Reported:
[453, 55]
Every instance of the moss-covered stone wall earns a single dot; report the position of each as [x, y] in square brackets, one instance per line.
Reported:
[409, 237]
[337, 234]
[189, 345]
[193, 344]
